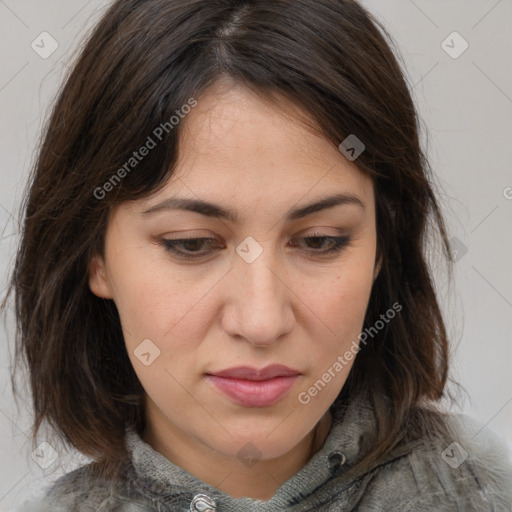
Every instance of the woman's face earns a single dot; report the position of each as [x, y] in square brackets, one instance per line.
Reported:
[258, 292]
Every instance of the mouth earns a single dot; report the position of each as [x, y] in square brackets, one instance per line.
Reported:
[251, 387]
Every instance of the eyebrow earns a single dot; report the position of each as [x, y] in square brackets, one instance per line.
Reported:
[214, 210]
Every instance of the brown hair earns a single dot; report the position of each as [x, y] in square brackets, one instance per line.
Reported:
[141, 63]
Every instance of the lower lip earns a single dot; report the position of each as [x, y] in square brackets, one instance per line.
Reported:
[254, 393]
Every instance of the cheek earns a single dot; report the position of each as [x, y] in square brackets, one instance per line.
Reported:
[339, 306]
[170, 314]
[341, 301]
[155, 300]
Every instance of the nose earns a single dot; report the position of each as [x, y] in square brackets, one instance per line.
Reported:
[259, 301]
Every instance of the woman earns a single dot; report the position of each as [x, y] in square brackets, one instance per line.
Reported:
[221, 289]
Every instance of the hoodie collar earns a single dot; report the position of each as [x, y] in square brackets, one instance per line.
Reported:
[160, 480]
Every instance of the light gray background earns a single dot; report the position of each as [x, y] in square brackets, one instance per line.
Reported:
[466, 104]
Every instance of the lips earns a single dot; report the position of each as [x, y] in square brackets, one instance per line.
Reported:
[252, 387]
[249, 373]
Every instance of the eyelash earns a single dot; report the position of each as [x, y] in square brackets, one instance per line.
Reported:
[339, 244]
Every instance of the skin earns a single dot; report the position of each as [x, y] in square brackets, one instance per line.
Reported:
[290, 306]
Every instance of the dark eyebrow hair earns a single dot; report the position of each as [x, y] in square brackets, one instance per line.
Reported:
[214, 210]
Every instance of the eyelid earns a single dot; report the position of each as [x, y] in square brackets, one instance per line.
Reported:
[337, 245]
[316, 232]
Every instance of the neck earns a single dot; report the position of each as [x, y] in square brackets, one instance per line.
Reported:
[259, 481]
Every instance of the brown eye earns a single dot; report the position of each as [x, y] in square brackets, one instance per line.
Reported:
[316, 243]
[188, 248]
[195, 248]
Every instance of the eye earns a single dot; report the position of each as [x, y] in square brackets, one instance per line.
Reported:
[316, 241]
[195, 248]
[188, 247]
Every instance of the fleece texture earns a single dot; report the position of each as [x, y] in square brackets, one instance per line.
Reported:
[469, 472]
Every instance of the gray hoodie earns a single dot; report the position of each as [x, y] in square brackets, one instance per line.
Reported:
[470, 472]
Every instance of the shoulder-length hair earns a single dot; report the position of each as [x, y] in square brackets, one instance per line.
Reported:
[141, 64]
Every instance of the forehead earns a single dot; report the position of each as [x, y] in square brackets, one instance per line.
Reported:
[240, 137]
[253, 155]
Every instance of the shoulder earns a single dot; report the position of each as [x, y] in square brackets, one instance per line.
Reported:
[470, 471]
[82, 490]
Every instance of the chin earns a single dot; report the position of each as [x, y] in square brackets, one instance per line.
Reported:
[269, 444]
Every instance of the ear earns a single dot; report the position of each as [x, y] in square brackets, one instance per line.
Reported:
[98, 281]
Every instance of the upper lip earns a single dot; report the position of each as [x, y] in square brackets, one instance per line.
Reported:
[250, 373]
